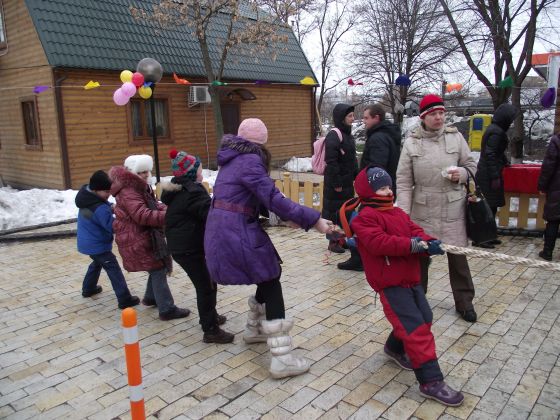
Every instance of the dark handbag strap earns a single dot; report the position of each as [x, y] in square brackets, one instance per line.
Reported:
[470, 176]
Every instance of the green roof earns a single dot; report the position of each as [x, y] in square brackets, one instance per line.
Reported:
[102, 34]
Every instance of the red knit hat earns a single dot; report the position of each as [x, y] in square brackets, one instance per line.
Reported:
[184, 164]
[430, 103]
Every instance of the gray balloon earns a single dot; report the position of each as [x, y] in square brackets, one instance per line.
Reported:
[150, 69]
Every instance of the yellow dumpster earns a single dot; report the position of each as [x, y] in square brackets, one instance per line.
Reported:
[477, 127]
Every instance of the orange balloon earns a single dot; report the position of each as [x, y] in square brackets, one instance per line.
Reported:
[459, 86]
[448, 88]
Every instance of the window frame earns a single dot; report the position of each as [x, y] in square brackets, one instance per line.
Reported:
[3, 44]
[39, 144]
[143, 140]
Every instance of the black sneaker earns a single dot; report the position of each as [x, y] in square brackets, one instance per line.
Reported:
[469, 315]
[218, 336]
[129, 302]
[175, 313]
[89, 293]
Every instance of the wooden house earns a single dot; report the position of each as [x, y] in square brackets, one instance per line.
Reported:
[58, 137]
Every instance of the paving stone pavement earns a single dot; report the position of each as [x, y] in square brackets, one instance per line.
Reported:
[61, 355]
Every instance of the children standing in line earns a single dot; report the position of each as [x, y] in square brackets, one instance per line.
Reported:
[95, 238]
[390, 244]
[188, 204]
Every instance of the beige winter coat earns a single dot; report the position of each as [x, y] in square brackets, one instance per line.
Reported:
[434, 202]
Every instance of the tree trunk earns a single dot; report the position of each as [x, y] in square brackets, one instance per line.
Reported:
[217, 111]
[518, 129]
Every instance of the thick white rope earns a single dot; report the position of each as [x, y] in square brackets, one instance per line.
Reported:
[475, 253]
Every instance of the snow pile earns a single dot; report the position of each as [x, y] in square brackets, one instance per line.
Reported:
[296, 164]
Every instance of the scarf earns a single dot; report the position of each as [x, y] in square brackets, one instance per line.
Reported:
[377, 202]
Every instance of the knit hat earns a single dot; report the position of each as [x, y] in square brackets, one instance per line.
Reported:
[254, 130]
[430, 103]
[99, 181]
[139, 163]
[378, 178]
[184, 164]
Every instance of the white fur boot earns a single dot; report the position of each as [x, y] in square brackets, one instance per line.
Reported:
[253, 331]
[284, 363]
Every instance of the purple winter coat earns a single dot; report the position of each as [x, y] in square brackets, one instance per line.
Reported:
[238, 250]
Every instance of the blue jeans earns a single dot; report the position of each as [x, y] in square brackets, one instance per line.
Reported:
[109, 263]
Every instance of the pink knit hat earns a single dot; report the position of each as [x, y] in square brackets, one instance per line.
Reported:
[254, 130]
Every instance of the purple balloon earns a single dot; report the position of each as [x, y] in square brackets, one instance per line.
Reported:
[129, 89]
[120, 98]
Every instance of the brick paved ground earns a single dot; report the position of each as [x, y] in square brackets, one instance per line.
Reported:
[61, 355]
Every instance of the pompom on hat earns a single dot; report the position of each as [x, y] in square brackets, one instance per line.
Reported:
[378, 178]
[254, 130]
[139, 163]
[99, 181]
[430, 103]
[184, 164]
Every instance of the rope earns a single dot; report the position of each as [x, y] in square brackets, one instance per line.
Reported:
[475, 253]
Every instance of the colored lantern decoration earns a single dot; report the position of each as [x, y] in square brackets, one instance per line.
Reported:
[39, 89]
[506, 83]
[120, 98]
[352, 83]
[218, 83]
[403, 80]
[308, 80]
[145, 92]
[137, 79]
[126, 76]
[262, 82]
[128, 89]
[450, 87]
[180, 81]
[150, 69]
[547, 99]
[91, 85]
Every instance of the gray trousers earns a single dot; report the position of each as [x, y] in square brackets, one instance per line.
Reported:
[157, 289]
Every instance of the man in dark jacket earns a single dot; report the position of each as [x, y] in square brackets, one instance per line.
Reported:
[493, 159]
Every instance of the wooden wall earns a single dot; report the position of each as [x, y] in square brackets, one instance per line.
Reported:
[97, 129]
[21, 68]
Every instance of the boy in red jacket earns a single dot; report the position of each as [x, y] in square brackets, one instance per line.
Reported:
[389, 243]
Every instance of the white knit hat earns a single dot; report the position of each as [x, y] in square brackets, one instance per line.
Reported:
[139, 163]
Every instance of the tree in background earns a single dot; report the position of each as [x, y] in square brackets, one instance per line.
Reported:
[292, 12]
[248, 31]
[490, 34]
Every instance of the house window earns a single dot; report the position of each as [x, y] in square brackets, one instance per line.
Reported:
[141, 119]
[31, 123]
[3, 40]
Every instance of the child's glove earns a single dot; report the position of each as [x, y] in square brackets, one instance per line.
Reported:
[434, 247]
[351, 242]
[417, 245]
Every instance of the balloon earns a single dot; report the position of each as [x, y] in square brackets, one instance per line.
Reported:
[119, 98]
[145, 92]
[128, 89]
[506, 83]
[458, 86]
[150, 69]
[448, 87]
[547, 99]
[126, 76]
[138, 79]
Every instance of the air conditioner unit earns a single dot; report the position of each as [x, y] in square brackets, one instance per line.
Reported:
[198, 95]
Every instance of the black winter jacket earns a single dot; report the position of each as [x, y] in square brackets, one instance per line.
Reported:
[492, 155]
[549, 180]
[188, 204]
[383, 149]
[341, 165]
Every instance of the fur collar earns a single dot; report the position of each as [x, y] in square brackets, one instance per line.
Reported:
[123, 178]
[171, 186]
[239, 144]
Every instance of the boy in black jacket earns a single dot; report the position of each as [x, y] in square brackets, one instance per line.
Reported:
[188, 204]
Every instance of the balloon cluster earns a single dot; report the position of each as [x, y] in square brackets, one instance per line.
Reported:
[450, 87]
[148, 71]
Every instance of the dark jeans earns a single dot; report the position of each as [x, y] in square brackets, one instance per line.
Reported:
[109, 263]
[157, 289]
[270, 293]
[206, 290]
[550, 234]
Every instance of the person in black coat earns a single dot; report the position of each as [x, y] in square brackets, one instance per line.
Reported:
[188, 204]
[549, 184]
[493, 159]
[341, 167]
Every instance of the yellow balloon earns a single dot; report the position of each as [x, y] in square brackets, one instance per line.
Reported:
[126, 76]
[145, 92]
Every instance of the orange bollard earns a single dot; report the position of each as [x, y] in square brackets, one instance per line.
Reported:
[133, 367]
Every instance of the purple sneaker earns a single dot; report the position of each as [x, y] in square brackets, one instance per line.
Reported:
[442, 393]
[400, 359]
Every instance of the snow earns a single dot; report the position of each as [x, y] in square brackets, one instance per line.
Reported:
[296, 164]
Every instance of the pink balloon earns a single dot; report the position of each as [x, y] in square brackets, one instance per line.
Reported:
[119, 98]
[128, 89]
[138, 79]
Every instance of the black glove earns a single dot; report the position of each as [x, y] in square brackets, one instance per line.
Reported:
[434, 247]
[416, 245]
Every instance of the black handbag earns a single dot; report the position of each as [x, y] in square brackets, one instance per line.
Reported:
[481, 223]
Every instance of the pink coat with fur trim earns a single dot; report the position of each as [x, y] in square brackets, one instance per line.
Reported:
[134, 220]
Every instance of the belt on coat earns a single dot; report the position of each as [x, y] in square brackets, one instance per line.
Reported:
[233, 207]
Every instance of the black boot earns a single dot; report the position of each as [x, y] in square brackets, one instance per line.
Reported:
[550, 233]
[334, 246]
[353, 263]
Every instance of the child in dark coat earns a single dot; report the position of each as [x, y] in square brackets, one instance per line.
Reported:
[390, 243]
[95, 238]
[188, 204]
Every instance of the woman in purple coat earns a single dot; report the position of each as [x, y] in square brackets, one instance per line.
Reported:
[238, 250]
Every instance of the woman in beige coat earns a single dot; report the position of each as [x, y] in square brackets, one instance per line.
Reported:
[437, 202]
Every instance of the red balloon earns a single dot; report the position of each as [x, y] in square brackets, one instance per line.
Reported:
[138, 79]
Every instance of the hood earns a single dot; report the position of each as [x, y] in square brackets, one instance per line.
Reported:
[123, 178]
[504, 116]
[388, 127]
[339, 112]
[361, 185]
[233, 146]
[87, 198]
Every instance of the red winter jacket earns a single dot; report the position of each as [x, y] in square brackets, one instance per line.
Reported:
[134, 220]
[383, 239]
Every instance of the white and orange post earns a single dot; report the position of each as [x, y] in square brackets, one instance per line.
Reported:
[133, 367]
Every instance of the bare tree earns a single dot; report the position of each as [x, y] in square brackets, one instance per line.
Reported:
[292, 12]
[401, 37]
[490, 34]
[248, 31]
